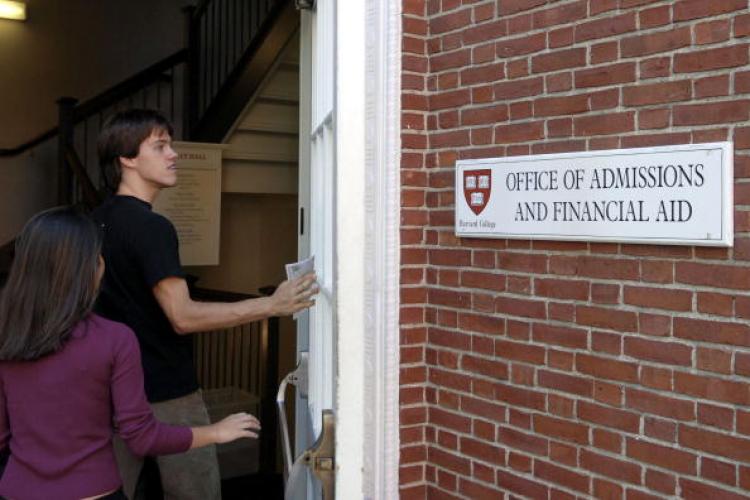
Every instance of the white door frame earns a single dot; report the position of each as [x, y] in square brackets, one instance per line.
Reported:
[368, 79]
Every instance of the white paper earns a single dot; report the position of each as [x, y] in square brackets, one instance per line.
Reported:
[300, 268]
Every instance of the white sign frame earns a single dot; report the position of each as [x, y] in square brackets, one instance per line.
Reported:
[643, 230]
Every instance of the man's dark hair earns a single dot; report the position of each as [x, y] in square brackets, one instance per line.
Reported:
[122, 135]
[52, 283]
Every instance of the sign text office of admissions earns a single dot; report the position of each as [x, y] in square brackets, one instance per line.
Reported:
[669, 195]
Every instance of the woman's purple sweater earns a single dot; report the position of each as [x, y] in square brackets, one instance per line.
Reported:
[57, 415]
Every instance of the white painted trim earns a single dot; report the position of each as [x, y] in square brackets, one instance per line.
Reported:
[349, 242]
[368, 66]
[382, 206]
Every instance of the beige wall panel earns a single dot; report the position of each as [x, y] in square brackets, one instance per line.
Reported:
[29, 184]
[53, 54]
[258, 177]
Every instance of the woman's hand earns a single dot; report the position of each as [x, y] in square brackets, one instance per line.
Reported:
[238, 425]
[235, 426]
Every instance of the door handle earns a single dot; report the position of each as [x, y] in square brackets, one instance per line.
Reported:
[297, 378]
[320, 458]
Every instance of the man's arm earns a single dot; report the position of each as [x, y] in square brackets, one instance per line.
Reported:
[189, 316]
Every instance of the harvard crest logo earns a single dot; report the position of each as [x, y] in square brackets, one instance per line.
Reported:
[477, 188]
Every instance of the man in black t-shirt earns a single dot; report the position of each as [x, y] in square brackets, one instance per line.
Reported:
[144, 287]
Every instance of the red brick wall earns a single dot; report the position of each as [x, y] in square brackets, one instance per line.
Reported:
[563, 370]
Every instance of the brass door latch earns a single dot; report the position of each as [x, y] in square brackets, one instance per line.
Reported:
[320, 457]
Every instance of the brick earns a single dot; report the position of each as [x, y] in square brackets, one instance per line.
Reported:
[654, 43]
[562, 476]
[716, 470]
[521, 132]
[508, 7]
[558, 60]
[555, 106]
[619, 470]
[450, 22]
[565, 383]
[712, 32]
[606, 27]
[657, 16]
[685, 10]
[605, 75]
[660, 481]
[706, 60]
[482, 74]
[561, 429]
[659, 298]
[450, 99]
[604, 52]
[521, 46]
[657, 93]
[694, 490]
[720, 444]
[574, 338]
[494, 369]
[732, 277]
[562, 37]
[662, 456]
[515, 396]
[607, 440]
[521, 485]
[484, 115]
[482, 451]
[714, 360]
[559, 82]
[606, 368]
[649, 402]
[486, 281]
[529, 443]
[711, 388]
[450, 60]
[661, 352]
[716, 416]
[715, 303]
[663, 430]
[613, 123]
[559, 15]
[612, 319]
[742, 26]
[718, 332]
[655, 67]
[450, 461]
[485, 31]
[607, 489]
[605, 293]
[649, 119]
[609, 417]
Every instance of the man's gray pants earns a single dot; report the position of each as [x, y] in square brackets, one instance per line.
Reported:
[184, 476]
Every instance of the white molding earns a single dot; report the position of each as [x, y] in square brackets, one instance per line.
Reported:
[382, 215]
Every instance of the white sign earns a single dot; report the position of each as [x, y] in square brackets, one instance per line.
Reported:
[194, 205]
[674, 195]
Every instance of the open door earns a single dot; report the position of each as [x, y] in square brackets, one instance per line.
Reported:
[316, 332]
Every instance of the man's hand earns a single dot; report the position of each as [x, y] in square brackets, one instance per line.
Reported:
[294, 295]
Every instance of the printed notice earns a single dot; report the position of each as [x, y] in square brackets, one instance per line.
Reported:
[194, 204]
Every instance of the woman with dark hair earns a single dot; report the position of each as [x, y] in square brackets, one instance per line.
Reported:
[67, 375]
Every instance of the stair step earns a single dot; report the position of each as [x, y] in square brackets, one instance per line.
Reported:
[271, 117]
[264, 145]
[283, 84]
